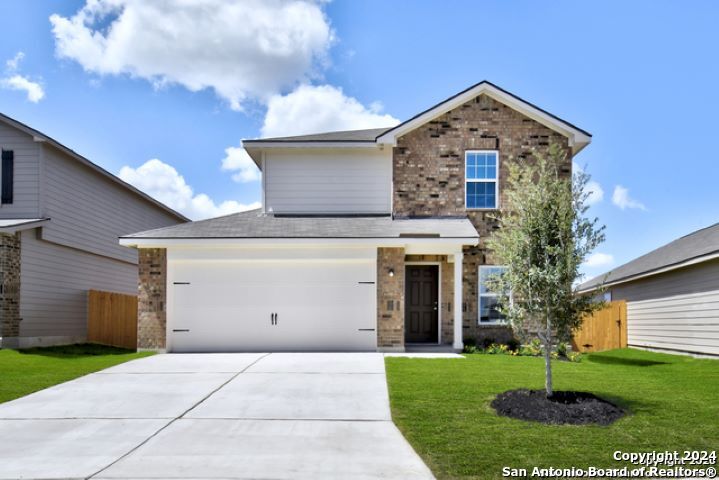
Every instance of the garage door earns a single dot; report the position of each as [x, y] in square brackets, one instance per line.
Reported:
[231, 306]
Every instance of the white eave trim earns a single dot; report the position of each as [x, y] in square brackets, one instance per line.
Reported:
[668, 268]
[26, 225]
[290, 144]
[456, 242]
[577, 139]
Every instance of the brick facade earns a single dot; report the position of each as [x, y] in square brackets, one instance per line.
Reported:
[390, 299]
[152, 299]
[428, 170]
[9, 289]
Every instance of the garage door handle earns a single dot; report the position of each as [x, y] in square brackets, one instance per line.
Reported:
[273, 319]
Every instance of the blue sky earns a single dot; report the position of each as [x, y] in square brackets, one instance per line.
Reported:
[640, 76]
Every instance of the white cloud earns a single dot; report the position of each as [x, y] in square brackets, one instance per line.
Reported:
[248, 49]
[621, 199]
[22, 83]
[593, 188]
[33, 90]
[322, 108]
[238, 160]
[163, 182]
[596, 193]
[597, 260]
[13, 63]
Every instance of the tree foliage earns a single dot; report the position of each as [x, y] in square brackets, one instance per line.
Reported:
[543, 239]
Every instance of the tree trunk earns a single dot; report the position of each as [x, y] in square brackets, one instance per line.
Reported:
[548, 359]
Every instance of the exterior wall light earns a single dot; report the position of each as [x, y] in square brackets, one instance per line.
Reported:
[391, 272]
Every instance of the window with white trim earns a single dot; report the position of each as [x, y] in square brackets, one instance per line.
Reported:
[481, 171]
[489, 300]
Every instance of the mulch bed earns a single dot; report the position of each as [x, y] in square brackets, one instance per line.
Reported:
[573, 408]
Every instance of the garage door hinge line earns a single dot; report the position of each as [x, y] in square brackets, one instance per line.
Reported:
[177, 418]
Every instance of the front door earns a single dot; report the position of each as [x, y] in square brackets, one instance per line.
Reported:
[421, 304]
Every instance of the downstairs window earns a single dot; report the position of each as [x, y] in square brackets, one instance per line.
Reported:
[489, 300]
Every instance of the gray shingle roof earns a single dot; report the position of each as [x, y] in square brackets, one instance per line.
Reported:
[695, 245]
[253, 224]
[368, 135]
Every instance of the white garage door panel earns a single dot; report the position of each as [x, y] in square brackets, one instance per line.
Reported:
[227, 306]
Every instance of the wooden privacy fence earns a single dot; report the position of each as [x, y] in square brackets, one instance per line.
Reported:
[112, 319]
[604, 330]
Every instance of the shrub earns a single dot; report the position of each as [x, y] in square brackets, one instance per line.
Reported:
[470, 341]
[497, 349]
[562, 349]
[574, 357]
[470, 349]
[487, 342]
[513, 344]
[533, 349]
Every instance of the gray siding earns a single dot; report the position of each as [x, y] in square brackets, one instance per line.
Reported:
[54, 284]
[329, 181]
[90, 212]
[78, 249]
[27, 176]
[677, 310]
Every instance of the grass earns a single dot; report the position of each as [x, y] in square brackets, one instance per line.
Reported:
[442, 408]
[25, 371]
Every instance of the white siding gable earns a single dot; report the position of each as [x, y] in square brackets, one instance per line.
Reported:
[328, 181]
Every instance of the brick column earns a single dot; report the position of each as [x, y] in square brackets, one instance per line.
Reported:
[152, 299]
[10, 289]
[390, 299]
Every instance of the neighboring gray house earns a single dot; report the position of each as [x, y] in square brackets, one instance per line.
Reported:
[60, 217]
[672, 294]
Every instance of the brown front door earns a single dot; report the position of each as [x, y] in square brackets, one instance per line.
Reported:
[421, 307]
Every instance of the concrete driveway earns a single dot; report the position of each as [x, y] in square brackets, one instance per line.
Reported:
[229, 416]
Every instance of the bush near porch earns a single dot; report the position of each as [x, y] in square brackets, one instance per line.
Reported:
[443, 409]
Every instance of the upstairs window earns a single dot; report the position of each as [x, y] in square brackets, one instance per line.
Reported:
[481, 172]
[489, 300]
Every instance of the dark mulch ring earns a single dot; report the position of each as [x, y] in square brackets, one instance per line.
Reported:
[573, 408]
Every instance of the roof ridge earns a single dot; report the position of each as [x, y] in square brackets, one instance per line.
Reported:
[27, 129]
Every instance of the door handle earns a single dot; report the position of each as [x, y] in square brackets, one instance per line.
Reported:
[273, 319]
[276, 318]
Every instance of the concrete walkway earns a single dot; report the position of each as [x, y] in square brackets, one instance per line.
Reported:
[212, 416]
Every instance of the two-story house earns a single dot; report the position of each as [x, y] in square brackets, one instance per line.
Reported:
[60, 218]
[366, 240]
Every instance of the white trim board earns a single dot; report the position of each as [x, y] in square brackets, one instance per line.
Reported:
[445, 246]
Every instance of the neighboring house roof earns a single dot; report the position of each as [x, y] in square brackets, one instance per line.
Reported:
[12, 225]
[578, 138]
[254, 224]
[41, 137]
[367, 135]
[695, 247]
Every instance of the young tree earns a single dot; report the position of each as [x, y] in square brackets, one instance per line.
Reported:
[544, 237]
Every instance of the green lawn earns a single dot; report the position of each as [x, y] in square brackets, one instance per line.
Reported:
[442, 407]
[26, 371]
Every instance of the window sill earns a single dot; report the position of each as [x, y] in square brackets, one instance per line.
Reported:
[493, 324]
